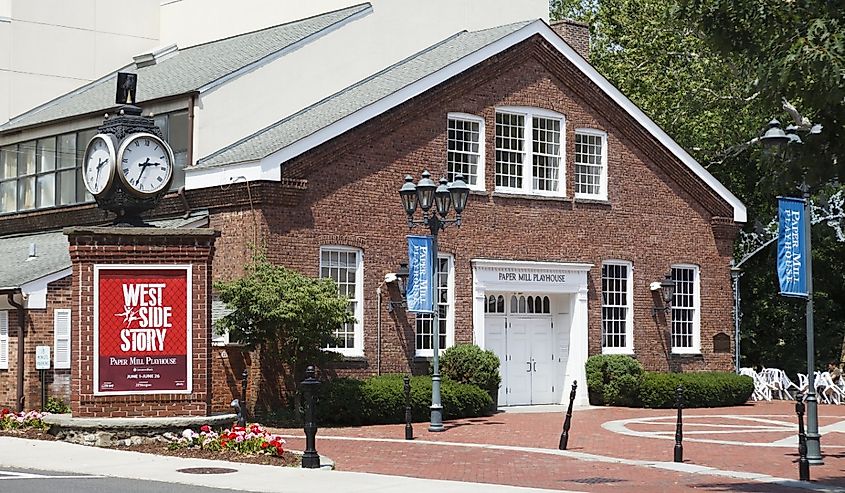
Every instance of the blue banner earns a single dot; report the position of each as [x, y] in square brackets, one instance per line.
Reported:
[792, 247]
[419, 291]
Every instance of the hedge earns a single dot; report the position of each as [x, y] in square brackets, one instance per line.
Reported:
[701, 389]
[619, 380]
[381, 400]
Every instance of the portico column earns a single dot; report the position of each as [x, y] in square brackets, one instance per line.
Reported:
[578, 346]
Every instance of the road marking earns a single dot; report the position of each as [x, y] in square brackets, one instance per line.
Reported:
[29, 475]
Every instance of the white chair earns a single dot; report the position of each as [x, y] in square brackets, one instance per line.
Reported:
[779, 384]
[762, 392]
[828, 391]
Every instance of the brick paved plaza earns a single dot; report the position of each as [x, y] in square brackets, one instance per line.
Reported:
[749, 448]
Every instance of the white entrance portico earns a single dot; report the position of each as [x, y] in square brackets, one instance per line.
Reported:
[533, 315]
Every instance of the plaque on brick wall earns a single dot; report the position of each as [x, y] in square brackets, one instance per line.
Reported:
[721, 343]
[142, 329]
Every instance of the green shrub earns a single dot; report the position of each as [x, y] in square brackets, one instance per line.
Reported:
[468, 363]
[613, 379]
[381, 400]
[701, 389]
[55, 405]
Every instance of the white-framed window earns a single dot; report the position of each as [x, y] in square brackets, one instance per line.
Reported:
[445, 299]
[465, 149]
[535, 167]
[345, 266]
[4, 340]
[617, 320]
[61, 338]
[686, 310]
[590, 164]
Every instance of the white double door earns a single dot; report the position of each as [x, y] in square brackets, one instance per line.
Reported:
[526, 350]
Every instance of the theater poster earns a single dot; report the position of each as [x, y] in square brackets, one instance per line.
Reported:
[142, 329]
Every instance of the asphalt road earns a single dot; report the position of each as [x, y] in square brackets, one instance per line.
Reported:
[37, 481]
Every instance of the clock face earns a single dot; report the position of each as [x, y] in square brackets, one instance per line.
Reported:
[99, 163]
[146, 164]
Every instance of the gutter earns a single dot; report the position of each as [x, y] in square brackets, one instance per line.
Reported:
[21, 342]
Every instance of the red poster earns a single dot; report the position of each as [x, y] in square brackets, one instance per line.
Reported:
[142, 329]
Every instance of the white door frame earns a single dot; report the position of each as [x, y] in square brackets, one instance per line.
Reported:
[539, 277]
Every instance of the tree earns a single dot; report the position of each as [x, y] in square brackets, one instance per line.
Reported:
[286, 314]
[711, 73]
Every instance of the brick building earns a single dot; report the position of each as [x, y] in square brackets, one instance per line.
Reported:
[579, 203]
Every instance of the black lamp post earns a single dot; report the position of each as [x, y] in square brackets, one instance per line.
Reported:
[775, 137]
[425, 195]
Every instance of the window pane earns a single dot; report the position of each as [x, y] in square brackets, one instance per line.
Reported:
[82, 139]
[424, 332]
[26, 158]
[615, 305]
[26, 192]
[66, 153]
[546, 156]
[509, 149]
[683, 307]
[46, 150]
[8, 162]
[46, 187]
[177, 134]
[67, 187]
[8, 196]
[588, 164]
[463, 154]
[341, 266]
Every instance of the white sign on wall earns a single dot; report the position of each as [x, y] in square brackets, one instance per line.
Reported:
[42, 357]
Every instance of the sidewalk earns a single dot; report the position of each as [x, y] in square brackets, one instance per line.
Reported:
[79, 459]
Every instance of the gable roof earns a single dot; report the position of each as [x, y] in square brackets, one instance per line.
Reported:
[192, 69]
[398, 83]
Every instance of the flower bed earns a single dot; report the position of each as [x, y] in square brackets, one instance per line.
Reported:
[22, 421]
[249, 440]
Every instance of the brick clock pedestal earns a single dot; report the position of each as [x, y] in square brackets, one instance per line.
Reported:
[141, 321]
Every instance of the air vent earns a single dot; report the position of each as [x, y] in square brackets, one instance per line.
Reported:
[155, 56]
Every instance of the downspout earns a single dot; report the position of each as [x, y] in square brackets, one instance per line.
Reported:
[378, 330]
[21, 342]
[193, 101]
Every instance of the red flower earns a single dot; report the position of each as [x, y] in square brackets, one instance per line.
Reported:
[205, 429]
[4, 412]
[265, 445]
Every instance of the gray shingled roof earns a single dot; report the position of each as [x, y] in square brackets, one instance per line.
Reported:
[51, 252]
[187, 70]
[355, 97]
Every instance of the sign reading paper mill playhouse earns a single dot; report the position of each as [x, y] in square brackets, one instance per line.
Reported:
[540, 277]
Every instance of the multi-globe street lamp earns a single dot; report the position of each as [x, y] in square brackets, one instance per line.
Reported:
[425, 194]
[776, 137]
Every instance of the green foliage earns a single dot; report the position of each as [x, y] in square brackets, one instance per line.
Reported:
[613, 379]
[705, 389]
[468, 363]
[56, 405]
[381, 400]
[293, 313]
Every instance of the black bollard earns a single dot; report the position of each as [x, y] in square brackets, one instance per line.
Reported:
[564, 436]
[242, 412]
[803, 463]
[310, 459]
[679, 433]
[409, 430]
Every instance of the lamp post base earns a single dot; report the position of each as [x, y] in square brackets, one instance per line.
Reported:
[814, 452]
[436, 419]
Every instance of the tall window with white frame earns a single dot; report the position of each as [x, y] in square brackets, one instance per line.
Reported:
[545, 174]
[445, 305]
[590, 164]
[465, 149]
[344, 266]
[616, 308]
[686, 337]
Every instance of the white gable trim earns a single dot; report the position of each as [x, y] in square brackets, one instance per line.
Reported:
[459, 66]
[35, 292]
[284, 51]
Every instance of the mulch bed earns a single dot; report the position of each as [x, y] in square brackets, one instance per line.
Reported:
[31, 434]
[288, 459]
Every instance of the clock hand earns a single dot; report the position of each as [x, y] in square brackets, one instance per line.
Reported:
[99, 166]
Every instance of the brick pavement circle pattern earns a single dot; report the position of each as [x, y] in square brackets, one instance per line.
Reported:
[521, 450]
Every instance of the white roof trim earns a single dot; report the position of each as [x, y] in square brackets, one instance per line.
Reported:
[459, 66]
[35, 291]
[530, 264]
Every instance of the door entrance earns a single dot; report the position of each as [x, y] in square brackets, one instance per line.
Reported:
[527, 350]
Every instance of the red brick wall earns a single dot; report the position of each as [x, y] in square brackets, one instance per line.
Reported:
[576, 34]
[39, 332]
[125, 246]
[658, 213]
